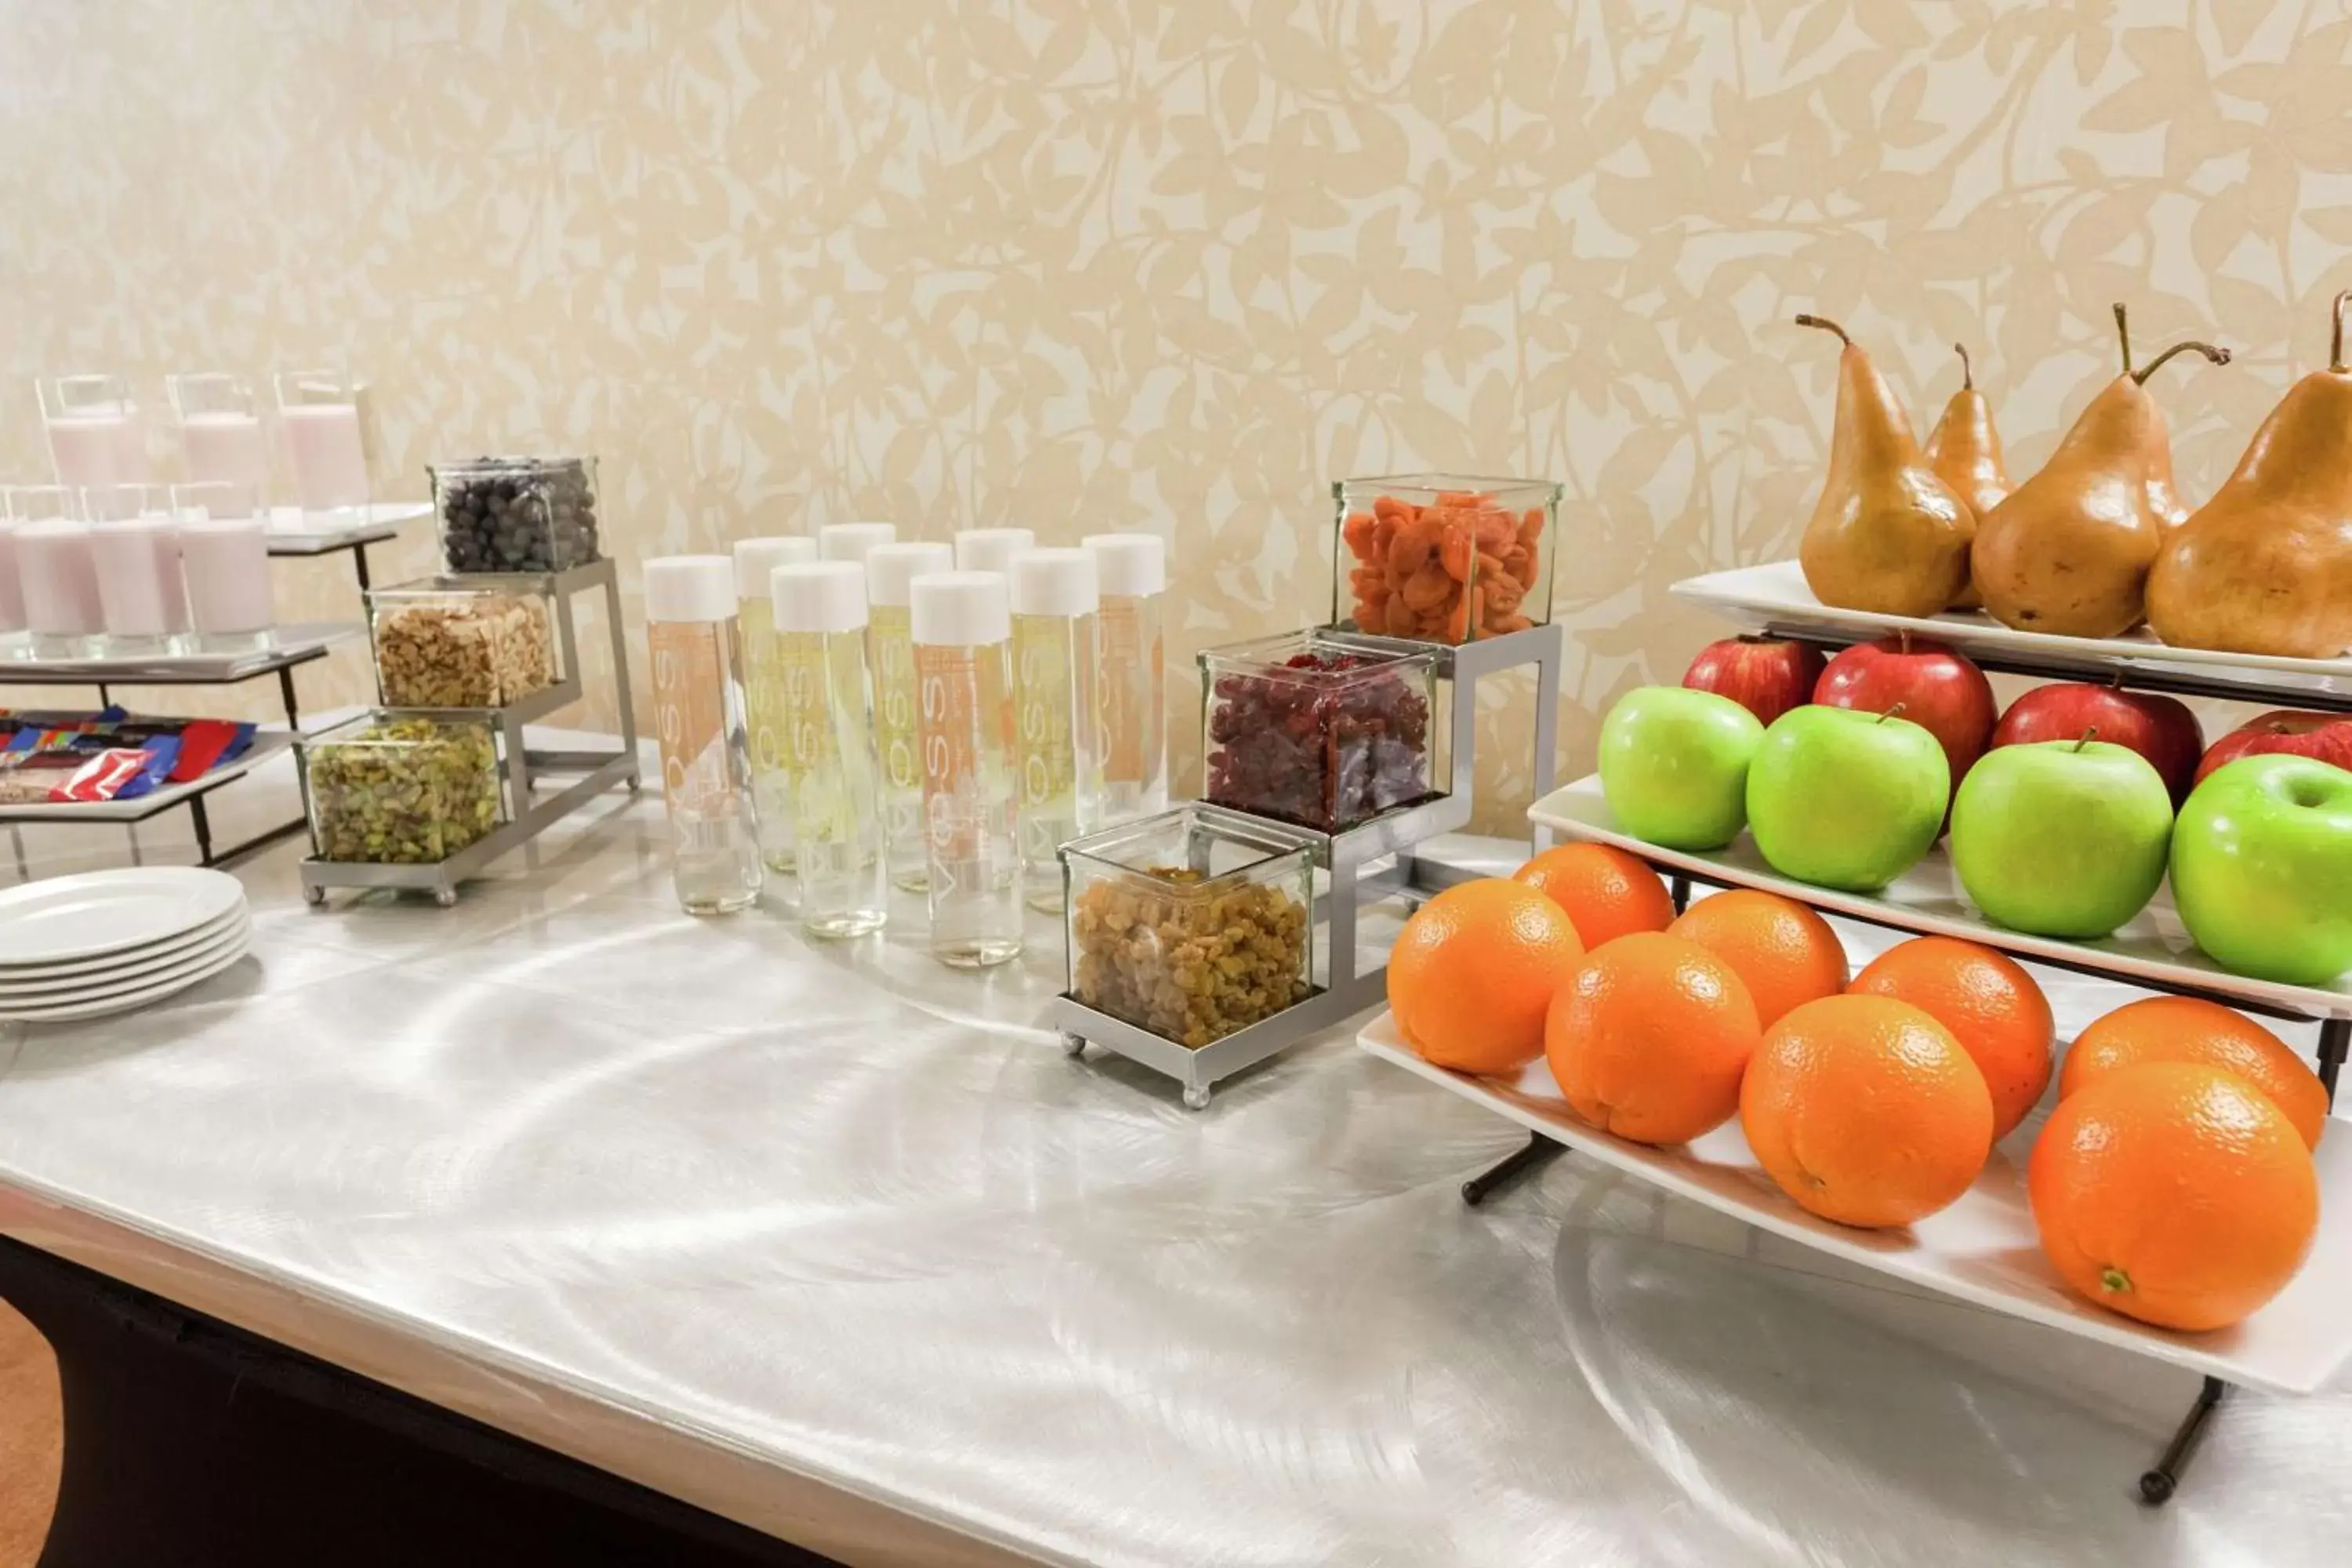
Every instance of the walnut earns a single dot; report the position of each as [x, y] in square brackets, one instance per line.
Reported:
[483, 650]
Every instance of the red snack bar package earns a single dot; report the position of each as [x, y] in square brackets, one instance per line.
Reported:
[201, 745]
[101, 776]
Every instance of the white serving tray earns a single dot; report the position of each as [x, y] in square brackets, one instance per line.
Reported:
[293, 532]
[289, 645]
[267, 743]
[1981, 1249]
[2153, 949]
[1773, 597]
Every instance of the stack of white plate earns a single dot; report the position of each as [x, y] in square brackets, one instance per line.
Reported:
[108, 941]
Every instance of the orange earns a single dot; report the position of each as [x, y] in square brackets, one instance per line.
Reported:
[1866, 1111]
[1785, 952]
[1475, 969]
[1991, 1006]
[1606, 892]
[2174, 1193]
[1649, 1037]
[2190, 1029]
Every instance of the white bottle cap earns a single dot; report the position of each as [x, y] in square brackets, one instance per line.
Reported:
[960, 609]
[851, 541]
[819, 596]
[757, 558]
[1054, 583]
[991, 549]
[1129, 564]
[689, 588]
[890, 567]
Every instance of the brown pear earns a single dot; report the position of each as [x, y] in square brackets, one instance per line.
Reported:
[2069, 550]
[2164, 502]
[1965, 452]
[2267, 565]
[1887, 535]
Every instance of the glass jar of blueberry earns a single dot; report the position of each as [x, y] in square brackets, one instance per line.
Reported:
[516, 514]
[1312, 730]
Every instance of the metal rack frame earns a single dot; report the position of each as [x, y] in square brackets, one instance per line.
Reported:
[1374, 859]
[519, 767]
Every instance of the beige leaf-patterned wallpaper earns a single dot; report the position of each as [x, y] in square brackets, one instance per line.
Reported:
[1174, 264]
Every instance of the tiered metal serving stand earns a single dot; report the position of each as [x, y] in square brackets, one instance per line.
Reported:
[1758, 600]
[291, 647]
[1374, 860]
[520, 767]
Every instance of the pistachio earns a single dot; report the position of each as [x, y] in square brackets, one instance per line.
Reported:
[406, 790]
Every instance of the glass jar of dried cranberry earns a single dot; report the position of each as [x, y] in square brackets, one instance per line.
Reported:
[1311, 730]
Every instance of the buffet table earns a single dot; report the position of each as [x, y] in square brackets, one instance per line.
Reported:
[838, 1245]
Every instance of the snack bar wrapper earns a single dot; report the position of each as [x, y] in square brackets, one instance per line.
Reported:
[111, 775]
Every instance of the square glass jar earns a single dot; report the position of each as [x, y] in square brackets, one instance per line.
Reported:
[400, 788]
[1190, 925]
[1313, 729]
[464, 642]
[1446, 558]
[516, 514]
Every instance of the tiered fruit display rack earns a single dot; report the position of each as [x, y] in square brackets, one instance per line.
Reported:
[1982, 1250]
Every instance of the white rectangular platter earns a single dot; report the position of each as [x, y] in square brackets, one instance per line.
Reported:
[1773, 597]
[294, 532]
[267, 743]
[292, 644]
[2152, 948]
[1981, 1249]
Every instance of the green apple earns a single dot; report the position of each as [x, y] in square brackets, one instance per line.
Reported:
[1845, 798]
[1673, 764]
[2062, 838]
[2261, 868]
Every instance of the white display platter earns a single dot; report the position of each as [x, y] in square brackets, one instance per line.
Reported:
[1773, 597]
[267, 743]
[2152, 948]
[1981, 1249]
[293, 533]
[293, 644]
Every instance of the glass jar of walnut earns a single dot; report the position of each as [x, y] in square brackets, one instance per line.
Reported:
[1191, 924]
[454, 643]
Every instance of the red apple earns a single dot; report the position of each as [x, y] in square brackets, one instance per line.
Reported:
[2327, 736]
[2160, 729]
[1939, 689]
[1764, 674]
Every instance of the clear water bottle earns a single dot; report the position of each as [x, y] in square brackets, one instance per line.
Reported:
[891, 661]
[1131, 574]
[698, 719]
[853, 542]
[1054, 713]
[991, 549]
[962, 625]
[763, 688]
[820, 617]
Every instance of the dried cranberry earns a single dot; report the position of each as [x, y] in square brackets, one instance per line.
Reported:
[1324, 755]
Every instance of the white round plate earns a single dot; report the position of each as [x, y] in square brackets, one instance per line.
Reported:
[98, 912]
[147, 991]
[143, 969]
[13, 975]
